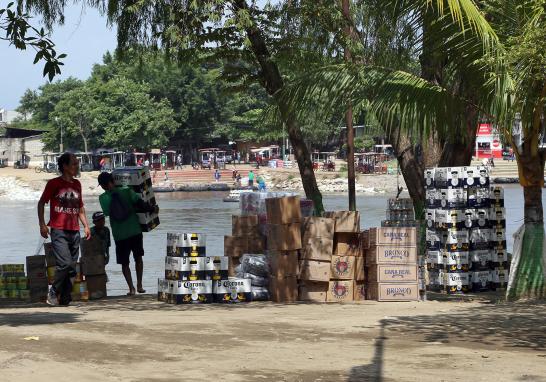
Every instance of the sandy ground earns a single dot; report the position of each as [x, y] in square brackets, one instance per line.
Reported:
[140, 339]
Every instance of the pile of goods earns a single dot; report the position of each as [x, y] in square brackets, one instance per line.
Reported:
[14, 283]
[400, 213]
[332, 266]
[466, 231]
[139, 179]
[194, 277]
[391, 263]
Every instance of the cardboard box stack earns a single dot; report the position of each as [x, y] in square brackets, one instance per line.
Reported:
[466, 231]
[139, 179]
[14, 283]
[283, 245]
[391, 264]
[93, 269]
[245, 238]
[316, 258]
[347, 266]
[194, 277]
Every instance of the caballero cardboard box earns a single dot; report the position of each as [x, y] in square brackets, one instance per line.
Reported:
[312, 270]
[393, 291]
[340, 291]
[393, 273]
[318, 248]
[392, 236]
[284, 210]
[343, 267]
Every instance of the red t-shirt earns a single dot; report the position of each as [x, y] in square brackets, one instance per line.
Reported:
[65, 200]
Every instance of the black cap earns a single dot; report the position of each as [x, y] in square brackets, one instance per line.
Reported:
[105, 178]
[97, 216]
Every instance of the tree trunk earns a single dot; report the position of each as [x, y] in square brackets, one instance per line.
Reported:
[529, 278]
[351, 177]
[272, 82]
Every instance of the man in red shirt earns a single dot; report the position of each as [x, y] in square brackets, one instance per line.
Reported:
[64, 195]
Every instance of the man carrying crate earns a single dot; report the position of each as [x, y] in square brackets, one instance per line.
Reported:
[121, 204]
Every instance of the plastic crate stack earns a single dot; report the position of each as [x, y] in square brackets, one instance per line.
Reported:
[466, 231]
[400, 213]
[194, 277]
[139, 179]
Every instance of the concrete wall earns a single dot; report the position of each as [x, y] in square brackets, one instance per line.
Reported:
[34, 146]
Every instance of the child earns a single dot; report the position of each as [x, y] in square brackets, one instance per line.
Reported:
[64, 194]
[103, 233]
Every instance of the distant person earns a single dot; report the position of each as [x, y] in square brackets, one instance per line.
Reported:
[492, 162]
[140, 161]
[251, 178]
[163, 161]
[64, 194]
[261, 183]
[146, 163]
[485, 162]
[217, 176]
[234, 173]
[102, 163]
[179, 162]
[166, 177]
[238, 180]
[102, 232]
[121, 205]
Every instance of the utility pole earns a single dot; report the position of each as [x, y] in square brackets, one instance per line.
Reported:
[351, 178]
[61, 146]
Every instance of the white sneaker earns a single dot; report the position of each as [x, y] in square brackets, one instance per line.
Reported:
[52, 297]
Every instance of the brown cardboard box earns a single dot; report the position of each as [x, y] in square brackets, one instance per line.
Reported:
[359, 291]
[392, 236]
[311, 291]
[38, 282]
[359, 269]
[96, 286]
[36, 267]
[232, 263]
[313, 227]
[312, 270]
[235, 246]
[318, 248]
[93, 265]
[385, 254]
[38, 294]
[244, 225]
[91, 247]
[342, 267]
[393, 273]
[283, 210]
[255, 244]
[283, 289]
[284, 264]
[340, 291]
[283, 237]
[346, 221]
[347, 244]
[393, 291]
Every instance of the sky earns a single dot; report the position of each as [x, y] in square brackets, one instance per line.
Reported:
[84, 37]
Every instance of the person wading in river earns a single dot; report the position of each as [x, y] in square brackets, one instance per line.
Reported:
[121, 204]
[64, 194]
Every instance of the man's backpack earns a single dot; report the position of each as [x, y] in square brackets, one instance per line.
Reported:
[119, 210]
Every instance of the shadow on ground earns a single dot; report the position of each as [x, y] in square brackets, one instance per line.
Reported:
[37, 318]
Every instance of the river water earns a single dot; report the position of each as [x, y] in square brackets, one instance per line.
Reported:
[190, 212]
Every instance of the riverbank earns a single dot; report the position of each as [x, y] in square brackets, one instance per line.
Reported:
[140, 339]
[25, 181]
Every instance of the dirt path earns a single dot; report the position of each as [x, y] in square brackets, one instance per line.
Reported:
[139, 339]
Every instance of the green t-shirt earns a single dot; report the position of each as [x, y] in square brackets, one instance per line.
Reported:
[250, 175]
[122, 230]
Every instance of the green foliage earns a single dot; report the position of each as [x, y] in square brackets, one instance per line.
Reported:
[21, 34]
[364, 143]
[117, 113]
